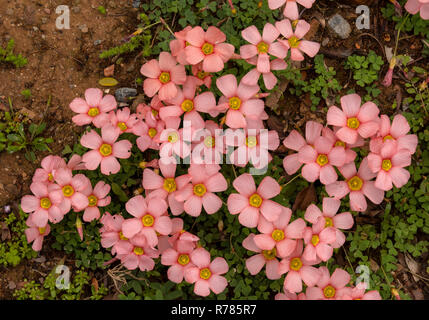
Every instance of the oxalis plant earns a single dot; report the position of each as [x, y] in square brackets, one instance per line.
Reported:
[202, 125]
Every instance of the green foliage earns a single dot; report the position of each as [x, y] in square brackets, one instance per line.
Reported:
[324, 84]
[15, 249]
[365, 68]
[79, 289]
[102, 10]
[7, 55]
[26, 93]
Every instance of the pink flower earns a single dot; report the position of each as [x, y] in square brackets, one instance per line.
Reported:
[49, 164]
[187, 103]
[387, 81]
[320, 161]
[253, 146]
[209, 146]
[354, 120]
[262, 47]
[208, 47]
[71, 189]
[298, 269]
[111, 232]
[177, 234]
[291, 9]
[178, 45]
[75, 163]
[134, 254]
[94, 109]
[96, 198]
[149, 135]
[350, 154]
[329, 287]
[330, 218]
[396, 132]
[203, 77]
[36, 234]
[358, 293]
[358, 185]
[270, 80]
[167, 187]
[206, 275]
[414, 6]
[150, 113]
[280, 235]
[179, 260]
[250, 202]
[123, 120]
[105, 150]
[265, 258]
[318, 240]
[294, 40]
[149, 218]
[238, 101]
[200, 192]
[295, 141]
[163, 76]
[290, 296]
[389, 166]
[172, 142]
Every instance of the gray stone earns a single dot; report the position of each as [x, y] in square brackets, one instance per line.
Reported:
[136, 3]
[97, 42]
[340, 26]
[83, 28]
[124, 94]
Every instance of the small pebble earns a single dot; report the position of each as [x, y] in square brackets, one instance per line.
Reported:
[340, 26]
[97, 42]
[123, 94]
[76, 9]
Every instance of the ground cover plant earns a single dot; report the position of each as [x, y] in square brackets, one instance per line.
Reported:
[194, 192]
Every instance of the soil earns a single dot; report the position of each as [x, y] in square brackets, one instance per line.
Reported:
[63, 63]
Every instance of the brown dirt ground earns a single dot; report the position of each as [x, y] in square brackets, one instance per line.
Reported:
[63, 63]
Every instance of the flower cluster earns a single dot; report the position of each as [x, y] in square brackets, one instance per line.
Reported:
[181, 122]
[391, 148]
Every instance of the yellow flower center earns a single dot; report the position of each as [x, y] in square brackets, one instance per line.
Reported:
[138, 251]
[92, 200]
[42, 230]
[293, 42]
[187, 105]
[322, 160]
[386, 165]
[388, 137]
[152, 132]
[315, 240]
[148, 220]
[200, 189]
[45, 203]
[68, 191]
[328, 222]
[278, 235]
[269, 254]
[353, 123]
[295, 264]
[105, 150]
[255, 200]
[205, 273]
[50, 177]
[92, 112]
[329, 292]
[207, 48]
[201, 74]
[122, 126]
[122, 237]
[262, 47]
[251, 141]
[183, 259]
[173, 137]
[164, 77]
[340, 144]
[169, 185]
[234, 103]
[209, 142]
[355, 183]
